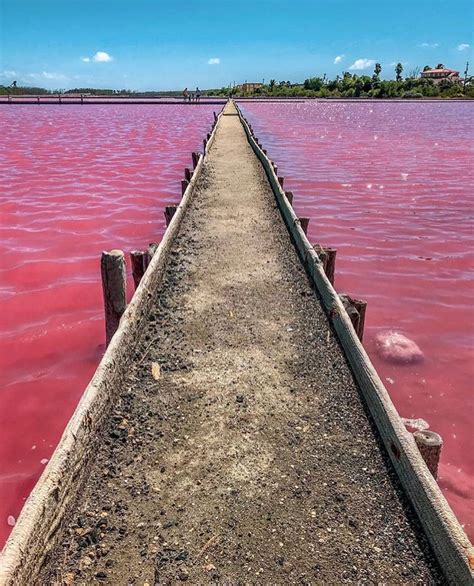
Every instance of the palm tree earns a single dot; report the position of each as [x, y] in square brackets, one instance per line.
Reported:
[398, 71]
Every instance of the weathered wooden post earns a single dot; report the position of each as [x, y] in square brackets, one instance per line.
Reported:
[304, 223]
[323, 257]
[139, 264]
[281, 181]
[187, 174]
[361, 306]
[169, 213]
[150, 253]
[184, 185]
[330, 268]
[353, 307]
[289, 197]
[429, 443]
[204, 144]
[215, 117]
[113, 272]
[351, 311]
[195, 157]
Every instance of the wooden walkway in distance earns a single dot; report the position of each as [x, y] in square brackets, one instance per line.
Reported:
[88, 100]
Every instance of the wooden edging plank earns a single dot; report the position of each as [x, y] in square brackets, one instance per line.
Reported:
[34, 533]
[450, 544]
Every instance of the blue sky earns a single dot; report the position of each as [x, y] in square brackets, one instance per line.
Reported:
[155, 44]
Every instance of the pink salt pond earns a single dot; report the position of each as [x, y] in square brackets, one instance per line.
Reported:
[397, 348]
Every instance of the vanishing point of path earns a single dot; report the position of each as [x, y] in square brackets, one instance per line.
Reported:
[248, 458]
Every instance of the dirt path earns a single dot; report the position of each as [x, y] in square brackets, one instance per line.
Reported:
[251, 459]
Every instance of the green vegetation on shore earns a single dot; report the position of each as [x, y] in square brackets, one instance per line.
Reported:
[362, 86]
[347, 85]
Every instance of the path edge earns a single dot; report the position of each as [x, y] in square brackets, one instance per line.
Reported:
[450, 544]
[35, 531]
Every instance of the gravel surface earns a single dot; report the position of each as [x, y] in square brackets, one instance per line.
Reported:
[240, 451]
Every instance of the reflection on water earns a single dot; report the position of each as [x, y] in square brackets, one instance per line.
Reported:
[391, 186]
[74, 181]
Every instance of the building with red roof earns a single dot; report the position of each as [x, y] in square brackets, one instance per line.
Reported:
[438, 75]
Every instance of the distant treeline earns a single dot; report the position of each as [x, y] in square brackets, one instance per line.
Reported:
[86, 91]
[347, 85]
[350, 85]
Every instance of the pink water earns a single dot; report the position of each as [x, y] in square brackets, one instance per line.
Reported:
[74, 181]
[390, 185]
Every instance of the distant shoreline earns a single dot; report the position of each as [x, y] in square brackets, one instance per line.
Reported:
[105, 99]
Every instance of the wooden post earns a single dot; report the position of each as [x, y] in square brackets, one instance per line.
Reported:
[330, 268]
[150, 253]
[113, 272]
[429, 443]
[215, 117]
[264, 151]
[139, 264]
[187, 174]
[169, 213]
[281, 181]
[184, 186]
[304, 222]
[204, 144]
[289, 197]
[361, 306]
[323, 257]
[275, 168]
[195, 157]
[351, 311]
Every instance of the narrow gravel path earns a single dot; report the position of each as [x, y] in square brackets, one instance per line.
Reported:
[250, 459]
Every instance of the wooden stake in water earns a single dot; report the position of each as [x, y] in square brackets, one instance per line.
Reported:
[139, 264]
[429, 443]
[330, 268]
[304, 223]
[169, 213]
[356, 309]
[112, 266]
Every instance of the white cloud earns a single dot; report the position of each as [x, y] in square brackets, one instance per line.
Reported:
[8, 73]
[338, 59]
[463, 46]
[362, 64]
[85, 59]
[214, 61]
[429, 45]
[102, 57]
[48, 75]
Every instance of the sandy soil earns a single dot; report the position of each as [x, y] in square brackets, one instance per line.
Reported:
[248, 458]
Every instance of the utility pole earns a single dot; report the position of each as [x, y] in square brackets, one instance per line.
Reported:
[465, 76]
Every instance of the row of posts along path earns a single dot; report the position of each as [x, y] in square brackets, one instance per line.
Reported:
[250, 458]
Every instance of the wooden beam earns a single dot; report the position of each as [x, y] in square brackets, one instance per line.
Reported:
[169, 213]
[429, 443]
[114, 288]
[138, 259]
